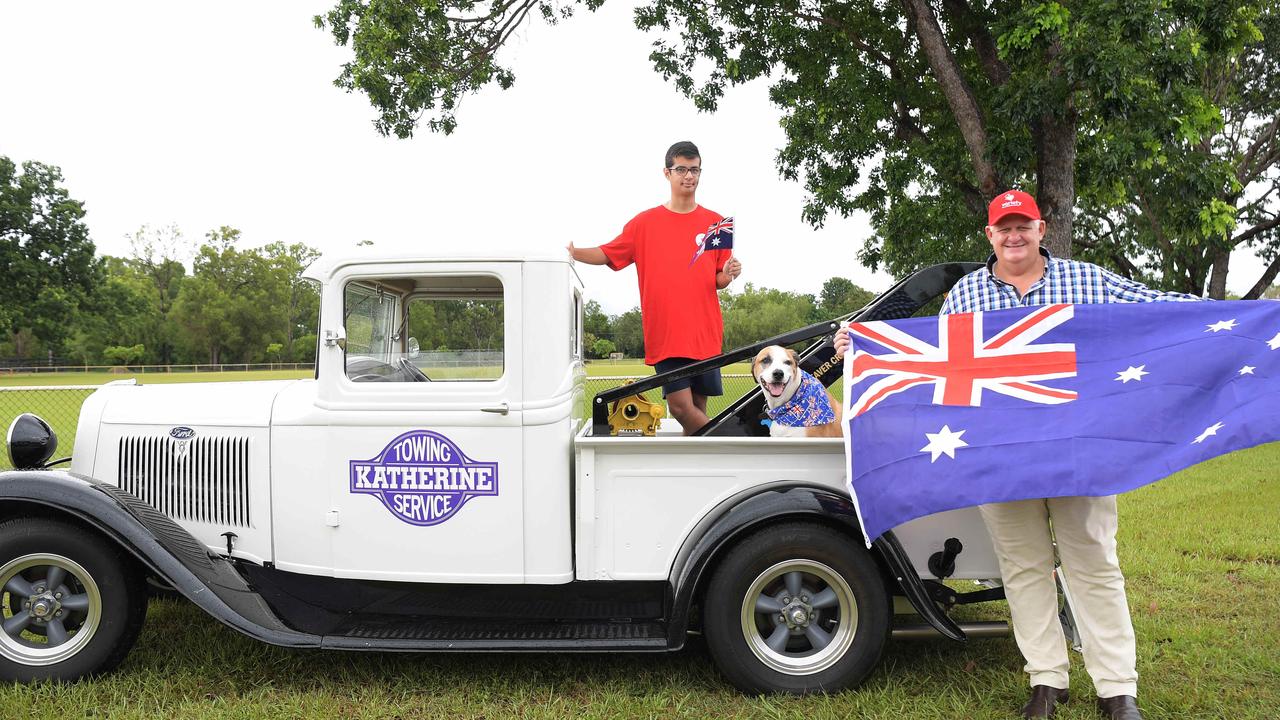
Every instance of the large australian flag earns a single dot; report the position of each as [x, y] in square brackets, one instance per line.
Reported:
[1052, 401]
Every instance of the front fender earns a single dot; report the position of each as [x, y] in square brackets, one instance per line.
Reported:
[209, 581]
[741, 515]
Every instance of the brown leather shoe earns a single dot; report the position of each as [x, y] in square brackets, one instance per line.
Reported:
[1120, 707]
[1042, 702]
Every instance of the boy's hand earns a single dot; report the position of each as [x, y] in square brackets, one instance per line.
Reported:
[733, 268]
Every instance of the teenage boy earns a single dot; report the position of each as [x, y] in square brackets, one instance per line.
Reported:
[679, 307]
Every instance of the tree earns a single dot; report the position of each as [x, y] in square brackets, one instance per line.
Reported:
[159, 255]
[628, 333]
[228, 307]
[121, 311]
[1174, 220]
[840, 297]
[122, 355]
[595, 321]
[758, 313]
[301, 311]
[603, 348]
[946, 104]
[46, 256]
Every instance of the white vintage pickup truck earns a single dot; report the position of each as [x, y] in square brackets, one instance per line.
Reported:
[409, 499]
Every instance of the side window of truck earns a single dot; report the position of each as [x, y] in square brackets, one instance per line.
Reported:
[420, 329]
[459, 339]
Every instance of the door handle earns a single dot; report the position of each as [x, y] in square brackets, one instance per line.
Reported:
[501, 409]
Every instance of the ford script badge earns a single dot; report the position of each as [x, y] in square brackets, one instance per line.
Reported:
[182, 433]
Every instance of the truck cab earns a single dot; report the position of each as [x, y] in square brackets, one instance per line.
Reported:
[438, 486]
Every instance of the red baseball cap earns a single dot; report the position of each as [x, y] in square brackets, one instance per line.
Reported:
[1012, 202]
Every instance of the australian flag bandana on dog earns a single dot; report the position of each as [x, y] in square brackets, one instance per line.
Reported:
[808, 407]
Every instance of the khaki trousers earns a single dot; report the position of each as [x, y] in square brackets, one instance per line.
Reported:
[1085, 528]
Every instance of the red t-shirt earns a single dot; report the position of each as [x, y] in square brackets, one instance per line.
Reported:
[679, 307]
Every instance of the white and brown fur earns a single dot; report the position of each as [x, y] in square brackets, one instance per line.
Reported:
[777, 371]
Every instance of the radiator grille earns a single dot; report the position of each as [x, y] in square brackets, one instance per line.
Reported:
[205, 479]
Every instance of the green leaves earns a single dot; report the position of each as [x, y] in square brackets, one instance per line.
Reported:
[46, 257]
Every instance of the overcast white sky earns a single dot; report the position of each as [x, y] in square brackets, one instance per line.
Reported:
[225, 114]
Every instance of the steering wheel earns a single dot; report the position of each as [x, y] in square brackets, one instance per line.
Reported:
[369, 377]
[412, 370]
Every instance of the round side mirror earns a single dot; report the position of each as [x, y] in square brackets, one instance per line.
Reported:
[413, 347]
[31, 442]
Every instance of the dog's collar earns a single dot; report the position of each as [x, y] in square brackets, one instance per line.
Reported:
[807, 407]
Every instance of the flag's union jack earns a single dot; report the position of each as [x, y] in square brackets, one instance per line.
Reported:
[720, 235]
[962, 364]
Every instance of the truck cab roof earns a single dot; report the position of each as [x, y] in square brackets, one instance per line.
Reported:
[326, 265]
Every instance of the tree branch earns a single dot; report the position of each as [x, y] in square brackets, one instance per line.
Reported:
[1264, 282]
[960, 97]
[964, 19]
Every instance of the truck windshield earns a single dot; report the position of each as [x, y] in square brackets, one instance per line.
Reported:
[370, 319]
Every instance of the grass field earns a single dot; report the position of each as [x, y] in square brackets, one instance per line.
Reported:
[1201, 551]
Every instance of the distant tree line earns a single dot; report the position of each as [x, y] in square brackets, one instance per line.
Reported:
[59, 298]
[751, 315]
[173, 301]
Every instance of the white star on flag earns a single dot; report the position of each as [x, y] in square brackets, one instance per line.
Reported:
[943, 441]
[1211, 430]
[1221, 325]
[1274, 342]
[1247, 370]
[716, 241]
[1133, 373]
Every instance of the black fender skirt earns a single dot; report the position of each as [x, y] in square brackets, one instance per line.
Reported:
[740, 516]
[210, 581]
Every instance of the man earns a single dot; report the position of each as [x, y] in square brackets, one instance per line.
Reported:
[679, 307]
[1019, 273]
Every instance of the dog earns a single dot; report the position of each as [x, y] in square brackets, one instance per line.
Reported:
[799, 405]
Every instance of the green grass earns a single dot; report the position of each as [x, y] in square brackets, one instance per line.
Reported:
[1201, 550]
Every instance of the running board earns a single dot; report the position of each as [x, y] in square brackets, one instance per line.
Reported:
[399, 633]
[921, 631]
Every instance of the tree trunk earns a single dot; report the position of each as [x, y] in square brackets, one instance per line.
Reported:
[1056, 179]
[1264, 282]
[1218, 278]
[960, 97]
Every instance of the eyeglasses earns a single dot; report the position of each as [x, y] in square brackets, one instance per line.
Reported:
[682, 170]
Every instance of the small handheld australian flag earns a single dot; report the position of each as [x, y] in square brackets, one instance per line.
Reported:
[717, 237]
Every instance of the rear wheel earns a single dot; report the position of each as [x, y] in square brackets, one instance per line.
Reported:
[72, 606]
[797, 608]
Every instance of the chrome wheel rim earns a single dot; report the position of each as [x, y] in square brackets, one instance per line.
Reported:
[799, 617]
[51, 609]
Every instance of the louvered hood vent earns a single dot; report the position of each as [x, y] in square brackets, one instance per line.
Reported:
[203, 479]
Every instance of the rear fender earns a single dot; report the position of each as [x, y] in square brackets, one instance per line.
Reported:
[741, 515]
[209, 581]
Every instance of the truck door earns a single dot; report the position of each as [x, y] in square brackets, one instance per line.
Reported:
[422, 438]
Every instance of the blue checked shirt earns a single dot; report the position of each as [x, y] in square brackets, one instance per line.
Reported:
[1064, 282]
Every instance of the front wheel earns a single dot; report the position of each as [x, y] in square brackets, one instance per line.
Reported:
[71, 605]
[796, 608]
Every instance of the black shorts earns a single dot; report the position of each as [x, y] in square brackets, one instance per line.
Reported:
[706, 384]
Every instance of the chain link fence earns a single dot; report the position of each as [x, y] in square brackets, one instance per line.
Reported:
[60, 405]
[735, 386]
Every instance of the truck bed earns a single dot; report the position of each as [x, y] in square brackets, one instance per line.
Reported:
[639, 500]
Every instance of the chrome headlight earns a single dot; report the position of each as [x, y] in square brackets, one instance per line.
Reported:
[31, 442]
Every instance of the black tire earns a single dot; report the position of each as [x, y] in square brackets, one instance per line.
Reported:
[45, 563]
[832, 643]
